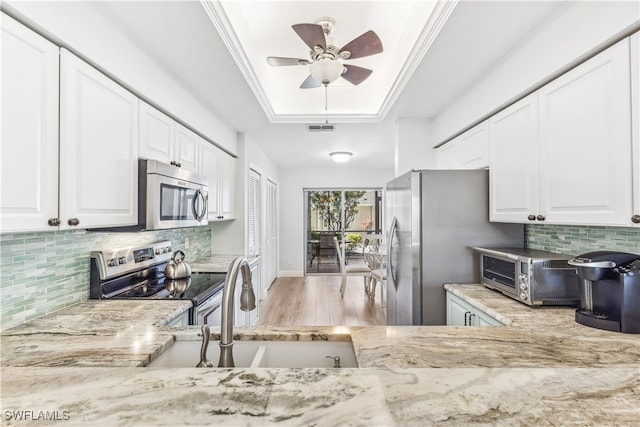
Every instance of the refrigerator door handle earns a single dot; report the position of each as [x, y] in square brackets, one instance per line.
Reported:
[393, 230]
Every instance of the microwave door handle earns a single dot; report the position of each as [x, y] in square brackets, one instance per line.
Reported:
[199, 215]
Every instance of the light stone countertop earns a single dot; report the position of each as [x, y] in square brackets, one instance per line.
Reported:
[542, 369]
[217, 263]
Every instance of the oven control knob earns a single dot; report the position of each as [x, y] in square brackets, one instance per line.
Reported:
[158, 251]
[167, 249]
[524, 296]
[112, 262]
[523, 286]
[122, 260]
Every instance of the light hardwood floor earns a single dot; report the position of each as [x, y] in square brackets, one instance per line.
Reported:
[316, 301]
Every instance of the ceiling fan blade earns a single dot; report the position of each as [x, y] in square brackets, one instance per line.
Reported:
[364, 45]
[310, 83]
[311, 34]
[278, 61]
[356, 75]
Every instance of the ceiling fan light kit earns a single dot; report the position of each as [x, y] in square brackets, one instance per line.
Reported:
[326, 70]
[340, 156]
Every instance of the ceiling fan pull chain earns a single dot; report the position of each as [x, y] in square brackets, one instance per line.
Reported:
[326, 114]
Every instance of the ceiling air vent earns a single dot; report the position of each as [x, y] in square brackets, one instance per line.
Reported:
[321, 128]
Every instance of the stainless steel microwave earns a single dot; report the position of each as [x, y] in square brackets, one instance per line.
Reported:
[169, 197]
[530, 276]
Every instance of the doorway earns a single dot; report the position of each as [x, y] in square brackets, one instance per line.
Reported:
[346, 213]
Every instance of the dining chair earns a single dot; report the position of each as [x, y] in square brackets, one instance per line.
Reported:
[359, 269]
[378, 266]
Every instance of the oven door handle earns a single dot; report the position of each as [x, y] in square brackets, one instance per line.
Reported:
[199, 215]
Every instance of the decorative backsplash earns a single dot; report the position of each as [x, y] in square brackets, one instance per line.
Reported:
[46, 271]
[576, 240]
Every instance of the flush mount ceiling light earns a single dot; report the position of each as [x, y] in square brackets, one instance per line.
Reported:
[340, 156]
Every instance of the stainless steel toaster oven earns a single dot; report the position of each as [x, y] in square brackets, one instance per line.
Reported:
[533, 277]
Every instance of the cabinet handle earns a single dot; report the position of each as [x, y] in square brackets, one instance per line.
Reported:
[54, 222]
[540, 218]
[220, 217]
[470, 316]
[176, 164]
[73, 222]
[531, 217]
[635, 219]
[466, 313]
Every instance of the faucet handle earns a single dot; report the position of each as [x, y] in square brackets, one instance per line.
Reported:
[206, 334]
[336, 361]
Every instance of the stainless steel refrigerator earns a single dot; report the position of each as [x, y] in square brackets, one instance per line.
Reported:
[434, 217]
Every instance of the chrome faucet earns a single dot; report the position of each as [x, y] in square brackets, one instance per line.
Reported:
[247, 303]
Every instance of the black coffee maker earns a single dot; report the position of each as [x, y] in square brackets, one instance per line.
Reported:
[609, 289]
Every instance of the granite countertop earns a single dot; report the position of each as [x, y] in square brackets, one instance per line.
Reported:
[217, 263]
[543, 368]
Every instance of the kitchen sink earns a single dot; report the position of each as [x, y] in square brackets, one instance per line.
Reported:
[261, 354]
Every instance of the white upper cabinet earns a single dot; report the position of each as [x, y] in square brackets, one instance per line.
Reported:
[469, 150]
[98, 148]
[585, 142]
[187, 145]
[563, 154]
[513, 173]
[219, 168]
[156, 134]
[29, 161]
[227, 185]
[635, 124]
[164, 139]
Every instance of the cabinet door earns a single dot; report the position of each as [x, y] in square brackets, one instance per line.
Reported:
[446, 155]
[29, 129]
[226, 184]
[513, 171]
[585, 142]
[209, 167]
[98, 148]
[483, 319]
[187, 144]
[473, 148]
[156, 134]
[457, 311]
[635, 124]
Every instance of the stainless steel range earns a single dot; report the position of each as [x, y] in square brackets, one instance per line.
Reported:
[138, 273]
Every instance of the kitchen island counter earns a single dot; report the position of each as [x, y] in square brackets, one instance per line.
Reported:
[526, 373]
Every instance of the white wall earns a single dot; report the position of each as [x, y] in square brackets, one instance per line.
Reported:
[575, 31]
[292, 183]
[412, 146]
[103, 44]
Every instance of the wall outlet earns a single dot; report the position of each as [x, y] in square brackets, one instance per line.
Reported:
[186, 243]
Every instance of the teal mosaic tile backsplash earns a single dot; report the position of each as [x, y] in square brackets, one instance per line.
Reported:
[43, 272]
[576, 240]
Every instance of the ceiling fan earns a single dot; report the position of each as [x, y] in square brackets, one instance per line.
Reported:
[325, 65]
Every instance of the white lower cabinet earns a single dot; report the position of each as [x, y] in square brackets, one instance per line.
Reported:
[462, 313]
[29, 161]
[180, 321]
[98, 148]
[562, 155]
